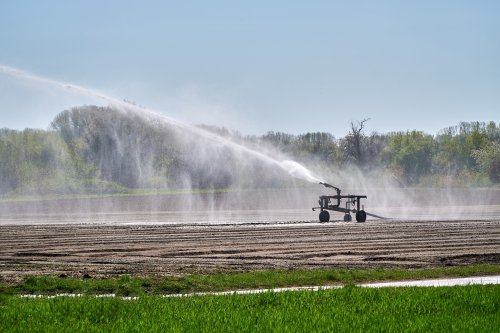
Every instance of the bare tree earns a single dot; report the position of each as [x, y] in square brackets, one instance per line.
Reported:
[354, 141]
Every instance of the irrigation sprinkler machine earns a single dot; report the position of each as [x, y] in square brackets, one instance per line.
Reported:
[334, 203]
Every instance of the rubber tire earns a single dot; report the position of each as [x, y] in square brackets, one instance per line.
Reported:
[361, 216]
[347, 218]
[324, 216]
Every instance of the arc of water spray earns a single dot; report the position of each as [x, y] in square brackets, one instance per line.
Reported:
[293, 168]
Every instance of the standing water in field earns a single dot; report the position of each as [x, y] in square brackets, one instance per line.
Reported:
[292, 168]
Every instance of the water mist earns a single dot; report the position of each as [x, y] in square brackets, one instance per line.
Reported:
[293, 168]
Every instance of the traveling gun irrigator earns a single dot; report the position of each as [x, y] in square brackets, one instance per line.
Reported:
[334, 203]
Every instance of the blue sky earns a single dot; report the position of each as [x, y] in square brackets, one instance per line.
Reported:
[292, 66]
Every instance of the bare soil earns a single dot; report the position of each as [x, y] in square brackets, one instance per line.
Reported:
[106, 250]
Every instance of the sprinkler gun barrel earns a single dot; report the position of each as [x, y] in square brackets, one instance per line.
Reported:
[331, 186]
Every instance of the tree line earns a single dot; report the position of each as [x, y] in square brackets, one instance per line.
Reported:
[469, 151]
[96, 149]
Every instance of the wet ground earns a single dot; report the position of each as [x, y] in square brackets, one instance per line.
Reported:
[154, 235]
[104, 250]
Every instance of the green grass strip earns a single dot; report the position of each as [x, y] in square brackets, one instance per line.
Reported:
[443, 309]
[127, 285]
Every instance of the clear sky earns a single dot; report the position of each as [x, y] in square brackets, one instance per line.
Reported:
[292, 66]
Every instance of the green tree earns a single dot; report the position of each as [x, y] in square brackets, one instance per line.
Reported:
[411, 153]
[488, 159]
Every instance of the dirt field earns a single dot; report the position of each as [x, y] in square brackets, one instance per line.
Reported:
[102, 250]
[177, 234]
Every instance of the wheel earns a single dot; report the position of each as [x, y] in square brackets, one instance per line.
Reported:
[324, 216]
[347, 218]
[361, 216]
